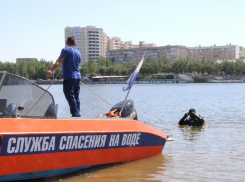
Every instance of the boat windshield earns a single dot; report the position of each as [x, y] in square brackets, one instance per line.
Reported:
[19, 97]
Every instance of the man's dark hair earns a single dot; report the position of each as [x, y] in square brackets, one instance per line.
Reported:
[71, 40]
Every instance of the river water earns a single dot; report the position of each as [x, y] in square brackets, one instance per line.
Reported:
[215, 152]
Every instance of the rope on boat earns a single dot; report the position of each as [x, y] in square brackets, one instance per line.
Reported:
[145, 122]
[95, 93]
[161, 127]
[43, 93]
[112, 105]
[50, 86]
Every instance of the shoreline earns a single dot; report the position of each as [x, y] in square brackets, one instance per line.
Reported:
[48, 82]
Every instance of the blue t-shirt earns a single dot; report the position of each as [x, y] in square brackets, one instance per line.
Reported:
[70, 65]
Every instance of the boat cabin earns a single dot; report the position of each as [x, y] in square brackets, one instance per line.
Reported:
[21, 98]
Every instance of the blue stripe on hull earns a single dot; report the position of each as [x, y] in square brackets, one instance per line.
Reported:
[41, 174]
[13, 145]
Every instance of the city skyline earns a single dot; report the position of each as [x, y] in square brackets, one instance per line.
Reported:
[94, 42]
[36, 29]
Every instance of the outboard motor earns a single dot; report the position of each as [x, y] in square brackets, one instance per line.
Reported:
[128, 109]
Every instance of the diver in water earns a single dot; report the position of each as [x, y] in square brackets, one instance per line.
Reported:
[192, 120]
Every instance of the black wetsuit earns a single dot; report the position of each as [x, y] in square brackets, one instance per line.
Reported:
[193, 120]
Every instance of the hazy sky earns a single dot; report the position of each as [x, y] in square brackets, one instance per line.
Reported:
[35, 28]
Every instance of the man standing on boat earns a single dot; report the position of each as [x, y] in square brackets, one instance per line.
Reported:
[192, 120]
[70, 58]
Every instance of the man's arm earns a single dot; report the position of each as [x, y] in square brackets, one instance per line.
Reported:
[199, 120]
[56, 65]
[183, 120]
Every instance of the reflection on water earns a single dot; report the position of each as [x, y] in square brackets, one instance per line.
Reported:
[140, 170]
[215, 152]
[191, 132]
[147, 169]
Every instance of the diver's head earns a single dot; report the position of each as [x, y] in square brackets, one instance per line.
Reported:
[192, 111]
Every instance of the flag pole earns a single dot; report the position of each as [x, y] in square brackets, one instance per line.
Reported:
[124, 102]
[131, 81]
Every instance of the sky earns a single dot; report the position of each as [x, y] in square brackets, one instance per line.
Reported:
[35, 28]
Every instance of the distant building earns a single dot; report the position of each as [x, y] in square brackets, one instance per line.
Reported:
[94, 42]
[129, 45]
[107, 78]
[19, 60]
[214, 53]
[115, 43]
[124, 56]
[242, 52]
[91, 41]
[144, 44]
[220, 61]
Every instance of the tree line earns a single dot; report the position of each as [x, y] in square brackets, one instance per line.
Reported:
[32, 70]
[106, 66]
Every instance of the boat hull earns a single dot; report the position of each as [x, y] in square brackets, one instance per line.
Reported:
[43, 148]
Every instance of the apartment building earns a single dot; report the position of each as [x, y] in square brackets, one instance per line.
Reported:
[19, 60]
[133, 55]
[215, 52]
[91, 41]
[115, 43]
[129, 45]
[242, 52]
[144, 44]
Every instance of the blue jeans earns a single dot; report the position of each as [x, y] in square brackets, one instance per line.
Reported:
[71, 89]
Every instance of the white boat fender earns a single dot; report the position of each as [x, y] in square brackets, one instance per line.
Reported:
[169, 137]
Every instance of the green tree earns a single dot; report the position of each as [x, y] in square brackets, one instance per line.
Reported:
[103, 70]
[91, 65]
[22, 69]
[32, 72]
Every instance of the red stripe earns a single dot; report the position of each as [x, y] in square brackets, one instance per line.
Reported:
[51, 161]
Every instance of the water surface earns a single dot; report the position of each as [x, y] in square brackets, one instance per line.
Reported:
[214, 152]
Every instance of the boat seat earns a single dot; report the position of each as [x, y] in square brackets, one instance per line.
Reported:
[50, 110]
[11, 108]
[3, 104]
